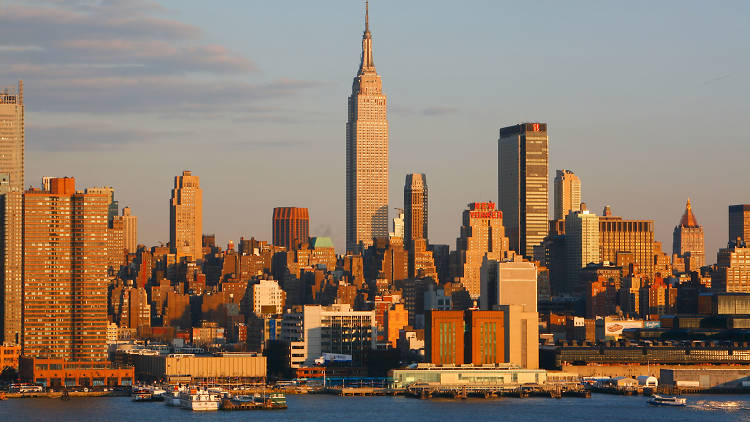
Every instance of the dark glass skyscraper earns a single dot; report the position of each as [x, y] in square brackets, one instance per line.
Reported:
[523, 184]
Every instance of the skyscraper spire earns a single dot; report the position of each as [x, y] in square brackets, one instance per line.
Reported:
[367, 64]
[366, 153]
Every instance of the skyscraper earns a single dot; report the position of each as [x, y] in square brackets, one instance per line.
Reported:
[581, 245]
[113, 207]
[65, 273]
[482, 235]
[130, 230]
[186, 217]
[567, 193]
[12, 136]
[522, 184]
[291, 227]
[739, 222]
[627, 241]
[415, 208]
[366, 153]
[732, 272]
[687, 240]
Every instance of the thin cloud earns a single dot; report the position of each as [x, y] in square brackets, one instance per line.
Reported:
[77, 138]
[20, 48]
[125, 56]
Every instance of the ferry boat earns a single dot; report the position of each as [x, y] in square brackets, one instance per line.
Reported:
[195, 399]
[657, 400]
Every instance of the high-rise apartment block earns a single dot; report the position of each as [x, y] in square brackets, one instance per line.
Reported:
[291, 227]
[366, 154]
[627, 242]
[581, 246]
[567, 193]
[523, 185]
[687, 240]
[186, 217]
[65, 273]
[12, 137]
[482, 234]
[739, 222]
[113, 207]
[732, 269]
[415, 208]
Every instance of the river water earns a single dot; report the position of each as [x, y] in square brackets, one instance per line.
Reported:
[600, 408]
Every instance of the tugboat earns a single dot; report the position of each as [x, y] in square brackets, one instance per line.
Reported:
[657, 400]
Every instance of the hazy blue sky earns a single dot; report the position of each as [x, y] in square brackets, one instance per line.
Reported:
[646, 101]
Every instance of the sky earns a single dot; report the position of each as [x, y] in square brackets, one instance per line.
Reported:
[646, 101]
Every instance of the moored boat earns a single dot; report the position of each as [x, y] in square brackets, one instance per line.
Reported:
[657, 400]
[256, 402]
[195, 399]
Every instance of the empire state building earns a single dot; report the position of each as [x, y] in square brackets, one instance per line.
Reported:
[366, 153]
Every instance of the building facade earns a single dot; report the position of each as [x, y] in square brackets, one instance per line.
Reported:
[567, 193]
[330, 329]
[291, 227]
[415, 208]
[523, 185]
[366, 153]
[65, 273]
[482, 234]
[268, 298]
[186, 217]
[739, 222]
[581, 246]
[622, 241]
[129, 230]
[12, 138]
[732, 272]
[687, 240]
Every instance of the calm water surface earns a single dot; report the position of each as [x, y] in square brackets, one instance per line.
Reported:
[600, 408]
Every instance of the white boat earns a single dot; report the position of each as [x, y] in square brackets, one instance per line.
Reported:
[172, 398]
[657, 400]
[198, 399]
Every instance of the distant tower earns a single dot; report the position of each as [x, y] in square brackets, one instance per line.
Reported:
[522, 184]
[130, 230]
[291, 227]
[12, 137]
[687, 240]
[415, 208]
[366, 153]
[567, 193]
[186, 217]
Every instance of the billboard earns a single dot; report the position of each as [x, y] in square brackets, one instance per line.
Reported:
[614, 328]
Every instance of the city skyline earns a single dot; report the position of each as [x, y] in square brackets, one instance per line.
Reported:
[449, 172]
